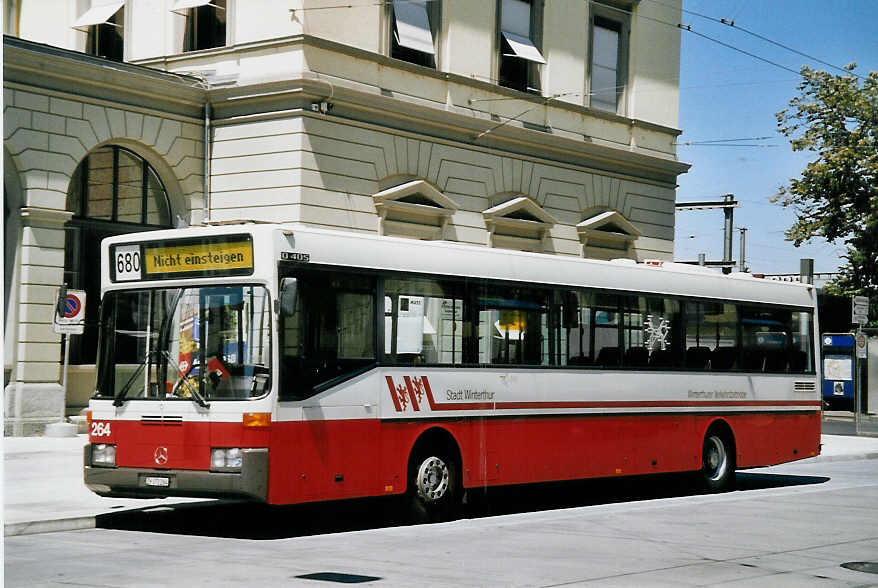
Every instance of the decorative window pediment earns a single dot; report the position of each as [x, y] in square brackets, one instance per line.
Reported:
[519, 223]
[607, 230]
[414, 209]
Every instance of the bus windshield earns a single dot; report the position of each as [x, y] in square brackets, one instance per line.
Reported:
[198, 344]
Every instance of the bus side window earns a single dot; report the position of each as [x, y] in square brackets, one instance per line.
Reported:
[711, 336]
[330, 335]
[801, 358]
[423, 321]
[651, 332]
[603, 328]
[513, 326]
[766, 338]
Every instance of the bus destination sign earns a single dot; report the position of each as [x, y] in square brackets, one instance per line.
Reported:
[227, 255]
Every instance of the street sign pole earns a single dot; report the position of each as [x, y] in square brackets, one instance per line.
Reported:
[66, 363]
[859, 316]
[69, 320]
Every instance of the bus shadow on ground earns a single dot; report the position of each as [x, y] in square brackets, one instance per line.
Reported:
[245, 520]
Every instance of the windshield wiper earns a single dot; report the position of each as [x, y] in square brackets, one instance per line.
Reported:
[119, 399]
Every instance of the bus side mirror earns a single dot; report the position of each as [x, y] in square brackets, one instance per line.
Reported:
[289, 289]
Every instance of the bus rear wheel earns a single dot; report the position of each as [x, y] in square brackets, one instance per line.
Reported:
[434, 485]
[717, 462]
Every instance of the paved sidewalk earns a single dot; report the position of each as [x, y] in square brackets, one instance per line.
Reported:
[43, 489]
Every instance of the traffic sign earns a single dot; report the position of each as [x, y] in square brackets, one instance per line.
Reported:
[70, 312]
[861, 345]
[860, 309]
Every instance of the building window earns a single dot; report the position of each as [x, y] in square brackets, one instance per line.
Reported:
[11, 11]
[414, 209]
[415, 28]
[112, 192]
[607, 234]
[104, 25]
[519, 223]
[609, 56]
[520, 32]
[205, 26]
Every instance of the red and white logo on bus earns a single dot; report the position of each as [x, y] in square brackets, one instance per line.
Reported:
[409, 392]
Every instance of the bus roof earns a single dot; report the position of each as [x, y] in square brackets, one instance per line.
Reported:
[367, 250]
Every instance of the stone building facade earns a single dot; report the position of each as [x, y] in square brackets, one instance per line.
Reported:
[491, 122]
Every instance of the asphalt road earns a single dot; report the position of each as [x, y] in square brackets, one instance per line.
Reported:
[791, 525]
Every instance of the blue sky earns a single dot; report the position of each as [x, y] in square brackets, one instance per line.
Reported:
[727, 95]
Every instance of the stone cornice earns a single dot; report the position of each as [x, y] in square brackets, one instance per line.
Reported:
[354, 102]
[369, 103]
[45, 217]
[368, 107]
[55, 69]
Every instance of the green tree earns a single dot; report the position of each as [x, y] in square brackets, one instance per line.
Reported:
[836, 196]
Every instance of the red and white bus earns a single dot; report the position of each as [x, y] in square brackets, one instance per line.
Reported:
[288, 364]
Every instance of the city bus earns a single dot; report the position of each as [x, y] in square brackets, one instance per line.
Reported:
[289, 364]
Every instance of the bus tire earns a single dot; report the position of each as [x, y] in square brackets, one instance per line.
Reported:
[434, 484]
[717, 461]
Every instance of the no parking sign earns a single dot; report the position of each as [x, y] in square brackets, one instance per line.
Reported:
[70, 312]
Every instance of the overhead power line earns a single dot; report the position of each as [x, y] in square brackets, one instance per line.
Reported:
[730, 22]
[688, 28]
[726, 143]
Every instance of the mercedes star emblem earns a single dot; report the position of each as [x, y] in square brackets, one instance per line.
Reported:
[161, 455]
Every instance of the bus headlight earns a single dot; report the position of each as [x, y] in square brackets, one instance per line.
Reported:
[103, 454]
[226, 459]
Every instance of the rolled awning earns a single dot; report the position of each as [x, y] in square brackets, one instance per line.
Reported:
[99, 14]
[523, 47]
[413, 26]
[184, 4]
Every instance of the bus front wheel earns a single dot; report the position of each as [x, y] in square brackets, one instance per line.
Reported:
[434, 485]
[717, 462]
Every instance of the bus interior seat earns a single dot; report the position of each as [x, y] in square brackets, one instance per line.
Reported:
[608, 356]
[724, 358]
[636, 357]
[698, 357]
[754, 360]
[775, 360]
[661, 358]
[579, 360]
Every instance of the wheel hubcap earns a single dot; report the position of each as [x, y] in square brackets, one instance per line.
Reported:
[715, 459]
[433, 478]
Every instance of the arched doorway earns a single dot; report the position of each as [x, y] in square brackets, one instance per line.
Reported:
[113, 191]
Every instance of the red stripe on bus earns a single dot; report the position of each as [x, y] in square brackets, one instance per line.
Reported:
[393, 395]
[616, 404]
[411, 391]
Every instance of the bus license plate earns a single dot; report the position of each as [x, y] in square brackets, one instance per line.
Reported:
[157, 481]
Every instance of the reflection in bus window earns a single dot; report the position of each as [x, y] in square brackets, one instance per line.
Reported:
[513, 326]
[213, 343]
[765, 338]
[593, 335]
[801, 360]
[330, 335]
[423, 321]
[711, 336]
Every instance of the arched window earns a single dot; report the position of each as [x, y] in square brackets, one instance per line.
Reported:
[113, 191]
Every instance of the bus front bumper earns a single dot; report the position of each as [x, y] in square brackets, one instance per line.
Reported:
[122, 482]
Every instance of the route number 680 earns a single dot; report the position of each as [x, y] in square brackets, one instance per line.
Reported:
[100, 429]
[126, 259]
